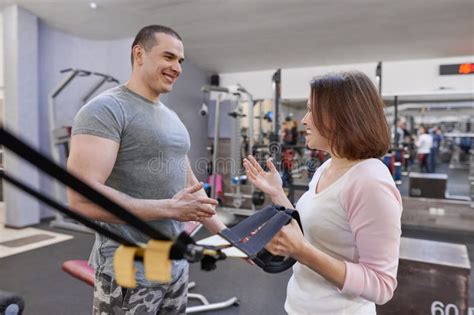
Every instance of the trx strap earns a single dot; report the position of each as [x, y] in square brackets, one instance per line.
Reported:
[63, 209]
[156, 254]
[252, 234]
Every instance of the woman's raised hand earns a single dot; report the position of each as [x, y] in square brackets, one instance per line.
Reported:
[269, 182]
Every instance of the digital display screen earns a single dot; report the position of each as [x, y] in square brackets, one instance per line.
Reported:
[461, 68]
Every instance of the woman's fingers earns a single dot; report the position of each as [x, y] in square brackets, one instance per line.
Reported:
[250, 175]
[271, 166]
[256, 165]
[249, 261]
[272, 248]
[252, 178]
[249, 166]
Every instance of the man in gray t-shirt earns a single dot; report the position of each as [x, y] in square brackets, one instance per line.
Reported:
[131, 147]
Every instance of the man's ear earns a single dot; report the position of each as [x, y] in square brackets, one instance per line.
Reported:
[138, 54]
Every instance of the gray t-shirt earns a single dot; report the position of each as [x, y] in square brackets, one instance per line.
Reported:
[150, 164]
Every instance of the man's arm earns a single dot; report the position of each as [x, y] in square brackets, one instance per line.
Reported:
[92, 159]
[213, 224]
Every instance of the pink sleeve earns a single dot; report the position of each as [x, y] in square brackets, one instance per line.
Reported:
[374, 208]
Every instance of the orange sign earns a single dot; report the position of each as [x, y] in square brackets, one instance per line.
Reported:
[466, 68]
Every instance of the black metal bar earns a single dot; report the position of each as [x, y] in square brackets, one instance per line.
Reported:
[46, 165]
[431, 100]
[105, 78]
[277, 95]
[378, 74]
[65, 210]
[94, 89]
[63, 85]
[395, 118]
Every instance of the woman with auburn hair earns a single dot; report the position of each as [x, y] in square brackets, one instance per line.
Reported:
[348, 255]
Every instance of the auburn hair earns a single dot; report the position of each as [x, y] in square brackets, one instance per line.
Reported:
[348, 111]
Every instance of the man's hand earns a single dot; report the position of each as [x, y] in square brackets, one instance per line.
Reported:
[190, 206]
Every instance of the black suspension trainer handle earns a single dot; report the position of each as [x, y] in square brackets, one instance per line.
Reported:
[252, 234]
[273, 263]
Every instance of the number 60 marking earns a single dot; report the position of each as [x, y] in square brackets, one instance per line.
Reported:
[438, 308]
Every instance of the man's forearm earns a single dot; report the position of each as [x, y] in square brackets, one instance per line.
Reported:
[147, 210]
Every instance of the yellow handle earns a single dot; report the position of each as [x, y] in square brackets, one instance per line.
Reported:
[157, 262]
[124, 266]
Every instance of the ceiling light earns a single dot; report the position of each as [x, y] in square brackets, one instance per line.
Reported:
[93, 5]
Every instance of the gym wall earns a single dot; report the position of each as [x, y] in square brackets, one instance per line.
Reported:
[20, 31]
[1, 62]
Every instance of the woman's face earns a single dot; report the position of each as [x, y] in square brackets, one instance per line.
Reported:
[314, 140]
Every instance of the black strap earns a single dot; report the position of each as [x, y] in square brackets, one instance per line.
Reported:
[252, 234]
[65, 210]
[250, 224]
[46, 165]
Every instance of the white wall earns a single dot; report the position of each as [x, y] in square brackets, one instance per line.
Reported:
[258, 83]
[295, 82]
[1, 63]
[21, 109]
[423, 75]
[2, 211]
[407, 76]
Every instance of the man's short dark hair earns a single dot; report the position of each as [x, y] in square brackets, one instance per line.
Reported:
[146, 37]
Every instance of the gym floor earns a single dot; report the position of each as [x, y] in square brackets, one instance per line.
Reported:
[37, 276]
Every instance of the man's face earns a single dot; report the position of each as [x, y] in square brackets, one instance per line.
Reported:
[161, 65]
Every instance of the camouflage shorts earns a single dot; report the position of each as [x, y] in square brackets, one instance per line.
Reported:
[169, 299]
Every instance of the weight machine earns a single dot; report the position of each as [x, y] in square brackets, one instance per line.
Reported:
[241, 95]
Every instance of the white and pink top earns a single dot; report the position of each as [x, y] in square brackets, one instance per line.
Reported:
[355, 219]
